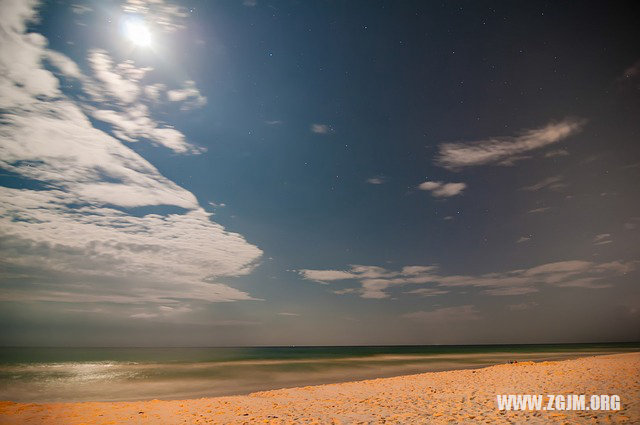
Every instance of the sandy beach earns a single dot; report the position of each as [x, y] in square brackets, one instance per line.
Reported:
[459, 396]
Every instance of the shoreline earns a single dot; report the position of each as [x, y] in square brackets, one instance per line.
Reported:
[243, 377]
[467, 395]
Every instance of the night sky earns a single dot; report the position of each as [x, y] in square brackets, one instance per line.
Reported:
[319, 172]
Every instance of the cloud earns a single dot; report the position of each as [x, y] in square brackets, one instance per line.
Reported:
[64, 64]
[143, 315]
[376, 180]
[553, 183]
[602, 239]
[522, 306]
[154, 91]
[539, 210]
[72, 236]
[23, 77]
[427, 292]
[442, 190]
[189, 94]
[523, 239]
[129, 118]
[556, 153]
[445, 315]
[321, 128]
[323, 276]
[374, 288]
[114, 256]
[284, 313]
[505, 150]
[134, 123]
[164, 16]
[273, 122]
[376, 281]
[345, 291]
[414, 270]
[80, 9]
[55, 143]
[122, 88]
[249, 3]
[632, 224]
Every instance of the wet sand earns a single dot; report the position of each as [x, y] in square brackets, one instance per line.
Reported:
[459, 396]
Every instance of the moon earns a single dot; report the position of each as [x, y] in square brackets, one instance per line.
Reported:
[138, 33]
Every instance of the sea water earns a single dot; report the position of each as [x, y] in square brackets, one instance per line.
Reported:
[110, 374]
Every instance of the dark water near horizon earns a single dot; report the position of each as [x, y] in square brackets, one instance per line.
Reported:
[109, 374]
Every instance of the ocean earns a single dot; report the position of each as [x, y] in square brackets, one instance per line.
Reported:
[113, 374]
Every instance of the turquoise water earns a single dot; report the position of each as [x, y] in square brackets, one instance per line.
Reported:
[83, 374]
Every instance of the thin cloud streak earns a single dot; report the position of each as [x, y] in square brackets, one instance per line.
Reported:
[552, 183]
[602, 239]
[376, 180]
[539, 210]
[506, 150]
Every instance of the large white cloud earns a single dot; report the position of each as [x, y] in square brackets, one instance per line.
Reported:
[68, 234]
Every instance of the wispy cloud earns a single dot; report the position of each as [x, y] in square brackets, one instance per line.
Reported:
[134, 123]
[284, 313]
[80, 9]
[62, 63]
[376, 180]
[163, 15]
[376, 281]
[553, 183]
[442, 190]
[539, 210]
[632, 224]
[556, 153]
[522, 306]
[523, 239]
[504, 150]
[155, 91]
[602, 239]
[428, 292]
[321, 128]
[189, 95]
